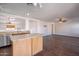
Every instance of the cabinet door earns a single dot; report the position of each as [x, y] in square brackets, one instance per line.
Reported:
[28, 47]
[34, 45]
[37, 45]
[22, 47]
[40, 43]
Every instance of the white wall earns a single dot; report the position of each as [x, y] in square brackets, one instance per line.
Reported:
[37, 28]
[46, 28]
[70, 28]
[5, 18]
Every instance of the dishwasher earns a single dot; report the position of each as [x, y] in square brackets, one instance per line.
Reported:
[5, 40]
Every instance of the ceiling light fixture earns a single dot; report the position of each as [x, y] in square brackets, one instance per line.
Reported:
[62, 20]
[35, 4]
[32, 5]
[28, 14]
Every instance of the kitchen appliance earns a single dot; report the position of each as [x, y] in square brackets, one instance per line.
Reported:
[4, 40]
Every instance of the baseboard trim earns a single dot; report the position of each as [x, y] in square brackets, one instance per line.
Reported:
[65, 35]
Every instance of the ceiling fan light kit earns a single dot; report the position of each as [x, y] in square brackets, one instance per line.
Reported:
[62, 20]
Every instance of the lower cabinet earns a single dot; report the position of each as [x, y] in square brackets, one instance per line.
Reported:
[27, 47]
[22, 47]
[4, 40]
[37, 45]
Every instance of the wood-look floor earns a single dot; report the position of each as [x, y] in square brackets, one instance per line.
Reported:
[57, 45]
[6, 51]
[54, 45]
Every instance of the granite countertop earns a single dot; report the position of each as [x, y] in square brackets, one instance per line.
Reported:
[14, 32]
[23, 36]
[19, 35]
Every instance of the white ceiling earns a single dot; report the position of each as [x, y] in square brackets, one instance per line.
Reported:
[48, 12]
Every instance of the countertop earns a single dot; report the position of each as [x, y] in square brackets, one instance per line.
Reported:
[19, 35]
[24, 36]
[14, 32]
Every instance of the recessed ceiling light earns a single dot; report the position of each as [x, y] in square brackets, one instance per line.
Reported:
[40, 5]
[28, 14]
[35, 4]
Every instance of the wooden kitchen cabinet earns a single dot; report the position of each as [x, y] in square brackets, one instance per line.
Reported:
[22, 47]
[34, 45]
[37, 44]
[27, 46]
[40, 43]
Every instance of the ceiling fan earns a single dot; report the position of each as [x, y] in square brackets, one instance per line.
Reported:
[62, 20]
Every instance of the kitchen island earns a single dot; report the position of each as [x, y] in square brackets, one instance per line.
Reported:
[23, 43]
[26, 44]
[5, 39]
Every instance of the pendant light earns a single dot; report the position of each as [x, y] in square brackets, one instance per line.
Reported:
[10, 25]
